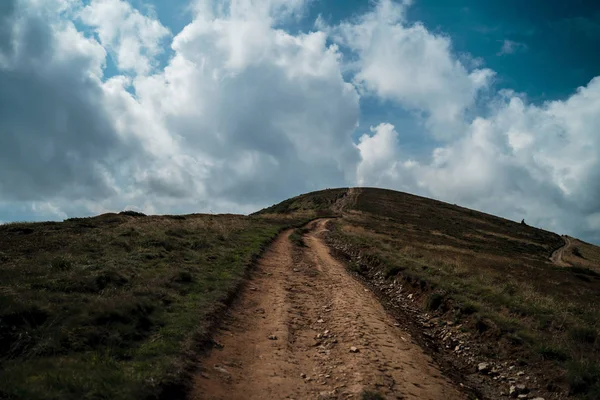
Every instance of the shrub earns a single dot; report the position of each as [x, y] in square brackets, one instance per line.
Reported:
[583, 334]
[552, 353]
[584, 379]
[369, 395]
[131, 213]
[434, 301]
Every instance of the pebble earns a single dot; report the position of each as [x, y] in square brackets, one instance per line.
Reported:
[483, 367]
[354, 349]
[272, 337]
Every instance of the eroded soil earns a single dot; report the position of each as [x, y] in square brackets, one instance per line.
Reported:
[304, 329]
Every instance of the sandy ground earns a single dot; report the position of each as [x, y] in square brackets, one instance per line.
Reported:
[557, 255]
[305, 329]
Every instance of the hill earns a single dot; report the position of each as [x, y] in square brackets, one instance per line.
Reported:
[121, 306]
[490, 277]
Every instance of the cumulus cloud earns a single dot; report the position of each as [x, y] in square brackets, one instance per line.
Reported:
[244, 113]
[409, 65]
[266, 112]
[134, 39]
[55, 136]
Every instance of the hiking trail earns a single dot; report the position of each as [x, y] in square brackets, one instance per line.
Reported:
[303, 328]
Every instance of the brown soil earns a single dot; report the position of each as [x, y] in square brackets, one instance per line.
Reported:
[317, 313]
[558, 254]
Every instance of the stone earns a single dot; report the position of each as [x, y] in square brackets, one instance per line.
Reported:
[221, 370]
[520, 373]
[483, 367]
[354, 349]
[303, 375]
[272, 337]
[320, 321]
[522, 389]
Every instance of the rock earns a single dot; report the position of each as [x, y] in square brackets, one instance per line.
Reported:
[296, 270]
[217, 345]
[538, 398]
[303, 375]
[205, 375]
[520, 373]
[253, 289]
[483, 368]
[512, 392]
[272, 337]
[354, 349]
[516, 390]
[320, 321]
[522, 389]
[221, 370]
[522, 396]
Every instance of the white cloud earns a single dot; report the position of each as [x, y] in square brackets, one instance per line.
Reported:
[408, 64]
[246, 113]
[134, 39]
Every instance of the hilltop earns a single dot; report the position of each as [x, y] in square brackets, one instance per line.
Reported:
[128, 306]
[493, 278]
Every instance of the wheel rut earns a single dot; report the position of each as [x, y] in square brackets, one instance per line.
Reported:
[303, 328]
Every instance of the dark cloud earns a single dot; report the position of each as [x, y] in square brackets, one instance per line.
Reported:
[56, 138]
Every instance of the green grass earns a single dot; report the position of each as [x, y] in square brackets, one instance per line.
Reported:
[112, 307]
[491, 274]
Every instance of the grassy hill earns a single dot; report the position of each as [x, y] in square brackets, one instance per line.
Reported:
[490, 276]
[118, 306]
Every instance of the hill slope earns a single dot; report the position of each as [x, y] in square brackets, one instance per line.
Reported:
[490, 276]
[118, 306]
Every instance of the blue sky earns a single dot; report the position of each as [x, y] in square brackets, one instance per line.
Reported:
[233, 105]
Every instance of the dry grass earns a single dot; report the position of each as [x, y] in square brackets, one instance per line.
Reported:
[499, 268]
[106, 307]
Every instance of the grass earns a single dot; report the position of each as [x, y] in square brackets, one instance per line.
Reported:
[110, 307]
[297, 237]
[492, 274]
[370, 395]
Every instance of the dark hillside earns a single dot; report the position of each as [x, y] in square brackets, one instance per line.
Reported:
[115, 306]
[491, 276]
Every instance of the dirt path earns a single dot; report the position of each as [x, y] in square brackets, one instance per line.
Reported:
[348, 201]
[317, 313]
[557, 255]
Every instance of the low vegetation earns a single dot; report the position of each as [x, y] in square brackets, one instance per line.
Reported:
[111, 307]
[490, 274]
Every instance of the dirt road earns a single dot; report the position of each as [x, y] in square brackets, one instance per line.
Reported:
[305, 329]
[557, 255]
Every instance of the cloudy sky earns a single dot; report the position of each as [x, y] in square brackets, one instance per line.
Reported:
[230, 105]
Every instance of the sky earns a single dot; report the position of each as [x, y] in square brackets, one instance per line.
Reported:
[232, 105]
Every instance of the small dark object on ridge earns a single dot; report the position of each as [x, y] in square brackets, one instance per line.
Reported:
[523, 222]
[132, 213]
